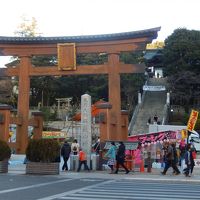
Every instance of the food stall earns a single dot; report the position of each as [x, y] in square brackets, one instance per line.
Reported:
[130, 147]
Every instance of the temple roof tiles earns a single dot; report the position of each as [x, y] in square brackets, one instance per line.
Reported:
[150, 33]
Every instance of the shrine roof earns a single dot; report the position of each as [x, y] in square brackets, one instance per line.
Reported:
[150, 33]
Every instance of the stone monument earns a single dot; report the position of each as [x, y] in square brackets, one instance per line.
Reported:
[86, 132]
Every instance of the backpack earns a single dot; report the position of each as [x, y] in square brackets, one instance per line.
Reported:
[74, 148]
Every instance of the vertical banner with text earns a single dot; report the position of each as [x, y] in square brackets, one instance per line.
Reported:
[192, 120]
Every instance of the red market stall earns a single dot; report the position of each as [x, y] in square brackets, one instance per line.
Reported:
[149, 151]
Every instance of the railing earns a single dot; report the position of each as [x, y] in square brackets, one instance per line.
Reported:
[133, 119]
[135, 113]
[165, 114]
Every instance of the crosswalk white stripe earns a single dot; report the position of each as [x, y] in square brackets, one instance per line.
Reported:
[116, 196]
[83, 198]
[119, 190]
[100, 198]
[122, 189]
[130, 192]
[33, 186]
[73, 191]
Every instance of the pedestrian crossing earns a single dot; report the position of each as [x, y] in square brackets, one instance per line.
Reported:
[141, 190]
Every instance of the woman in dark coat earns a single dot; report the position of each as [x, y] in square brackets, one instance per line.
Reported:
[189, 161]
[120, 158]
[65, 153]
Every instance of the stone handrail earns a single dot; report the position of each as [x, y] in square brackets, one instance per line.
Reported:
[165, 114]
[133, 119]
[135, 113]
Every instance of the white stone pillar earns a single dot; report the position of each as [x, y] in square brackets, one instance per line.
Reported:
[86, 132]
[139, 98]
[168, 98]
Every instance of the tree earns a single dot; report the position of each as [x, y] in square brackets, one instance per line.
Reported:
[28, 27]
[182, 51]
[182, 66]
[42, 88]
[185, 89]
[5, 90]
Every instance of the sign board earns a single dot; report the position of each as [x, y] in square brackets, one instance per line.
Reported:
[154, 88]
[192, 120]
[153, 137]
[67, 56]
[53, 134]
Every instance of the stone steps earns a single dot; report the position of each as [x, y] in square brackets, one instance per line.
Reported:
[153, 103]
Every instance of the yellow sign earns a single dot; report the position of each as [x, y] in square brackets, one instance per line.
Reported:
[183, 134]
[66, 56]
[192, 120]
[53, 134]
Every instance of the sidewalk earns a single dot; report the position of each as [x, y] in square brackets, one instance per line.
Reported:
[17, 167]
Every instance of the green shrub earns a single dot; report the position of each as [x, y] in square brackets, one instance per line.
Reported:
[5, 151]
[43, 150]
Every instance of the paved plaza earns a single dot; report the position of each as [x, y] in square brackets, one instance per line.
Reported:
[96, 185]
[17, 167]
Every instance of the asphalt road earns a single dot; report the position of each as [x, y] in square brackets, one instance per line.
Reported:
[26, 187]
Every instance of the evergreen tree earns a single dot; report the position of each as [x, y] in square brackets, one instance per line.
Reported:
[182, 66]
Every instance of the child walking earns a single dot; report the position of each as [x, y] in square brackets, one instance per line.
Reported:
[82, 160]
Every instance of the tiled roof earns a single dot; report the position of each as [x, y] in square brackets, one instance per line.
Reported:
[150, 33]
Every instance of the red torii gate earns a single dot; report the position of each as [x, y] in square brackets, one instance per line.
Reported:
[111, 44]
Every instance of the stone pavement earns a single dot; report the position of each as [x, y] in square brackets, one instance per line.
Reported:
[17, 167]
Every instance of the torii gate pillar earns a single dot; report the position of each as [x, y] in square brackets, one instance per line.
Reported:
[114, 96]
[23, 104]
[4, 121]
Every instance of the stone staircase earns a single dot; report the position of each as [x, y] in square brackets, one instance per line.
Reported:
[153, 103]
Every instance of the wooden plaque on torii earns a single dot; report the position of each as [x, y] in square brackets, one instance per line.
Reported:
[111, 44]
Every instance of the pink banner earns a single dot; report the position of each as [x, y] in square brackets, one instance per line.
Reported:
[153, 137]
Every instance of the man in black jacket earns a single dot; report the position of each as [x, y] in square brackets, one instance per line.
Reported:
[120, 157]
[65, 153]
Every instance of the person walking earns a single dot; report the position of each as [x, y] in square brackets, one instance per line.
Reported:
[82, 160]
[111, 155]
[65, 153]
[189, 161]
[75, 147]
[182, 150]
[155, 118]
[120, 157]
[175, 160]
[193, 156]
[169, 159]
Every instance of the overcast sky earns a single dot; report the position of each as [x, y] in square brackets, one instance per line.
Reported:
[87, 17]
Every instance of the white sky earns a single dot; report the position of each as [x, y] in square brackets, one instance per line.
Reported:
[87, 17]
